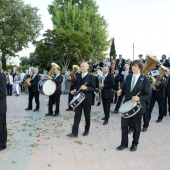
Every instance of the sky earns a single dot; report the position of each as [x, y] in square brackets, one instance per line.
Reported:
[145, 23]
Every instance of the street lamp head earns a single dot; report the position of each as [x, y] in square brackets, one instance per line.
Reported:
[51, 47]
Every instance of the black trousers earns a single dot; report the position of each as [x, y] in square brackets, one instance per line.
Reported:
[146, 117]
[70, 98]
[166, 101]
[160, 104]
[136, 119]
[9, 89]
[77, 118]
[54, 99]
[3, 130]
[37, 101]
[106, 107]
[119, 102]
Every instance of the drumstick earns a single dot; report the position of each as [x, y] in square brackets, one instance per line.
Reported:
[80, 89]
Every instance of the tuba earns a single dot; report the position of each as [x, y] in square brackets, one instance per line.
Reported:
[150, 63]
[51, 72]
[72, 74]
[160, 79]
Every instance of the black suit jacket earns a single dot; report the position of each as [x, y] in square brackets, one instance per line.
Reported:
[90, 80]
[122, 62]
[3, 106]
[168, 86]
[58, 82]
[142, 86]
[117, 79]
[109, 83]
[122, 75]
[34, 84]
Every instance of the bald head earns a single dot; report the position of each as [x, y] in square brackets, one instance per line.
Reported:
[84, 67]
[35, 70]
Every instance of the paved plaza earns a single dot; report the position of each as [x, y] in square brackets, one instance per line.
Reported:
[36, 142]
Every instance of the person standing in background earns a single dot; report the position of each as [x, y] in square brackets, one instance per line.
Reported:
[17, 80]
[9, 79]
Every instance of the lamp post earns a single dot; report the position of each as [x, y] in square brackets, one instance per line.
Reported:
[51, 50]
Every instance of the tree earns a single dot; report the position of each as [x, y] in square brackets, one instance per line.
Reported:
[68, 46]
[113, 50]
[82, 16]
[19, 24]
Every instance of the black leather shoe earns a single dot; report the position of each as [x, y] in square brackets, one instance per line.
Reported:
[2, 148]
[158, 121]
[49, 114]
[28, 109]
[144, 129]
[55, 115]
[72, 135]
[85, 133]
[133, 148]
[105, 122]
[35, 110]
[103, 118]
[115, 112]
[98, 104]
[130, 131]
[121, 147]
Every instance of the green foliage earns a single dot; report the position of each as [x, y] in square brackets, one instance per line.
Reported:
[19, 24]
[68, 46]
[82, 16]
[24, 67]
[113, 50]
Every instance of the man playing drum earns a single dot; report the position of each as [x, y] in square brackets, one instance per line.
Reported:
[85, 82]
[136, 88]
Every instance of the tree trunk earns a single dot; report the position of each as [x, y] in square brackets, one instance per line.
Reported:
[3, 60]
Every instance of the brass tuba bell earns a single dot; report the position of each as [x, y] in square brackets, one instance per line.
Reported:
[51, 72]
[150, 63]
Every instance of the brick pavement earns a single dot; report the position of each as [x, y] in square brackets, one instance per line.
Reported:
[36, 142]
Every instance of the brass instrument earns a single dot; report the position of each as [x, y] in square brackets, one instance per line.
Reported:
[72, 74]
[51, 72]
[160, 79]
[26, 82]
[150, 63]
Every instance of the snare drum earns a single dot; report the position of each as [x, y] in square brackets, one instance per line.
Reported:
[129, 109]
[77, 100]
[48, 87]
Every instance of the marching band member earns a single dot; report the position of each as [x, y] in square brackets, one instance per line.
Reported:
[88, 89]
[55, 98]
[34, 90]
[134, 84]
[72, 78]
[107, 94]
[120, 63]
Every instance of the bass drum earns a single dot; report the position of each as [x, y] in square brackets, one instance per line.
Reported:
[47, 87]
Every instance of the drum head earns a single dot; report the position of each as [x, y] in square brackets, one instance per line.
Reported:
[49, 87]
[127, 106]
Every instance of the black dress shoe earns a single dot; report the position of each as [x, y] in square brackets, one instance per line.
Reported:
[98, 104]
[49, 114]
[144, 129]
[2, 148]
[164, 114]
[105, 122]
[121, 147]
[35, 110]
[130, 131]
[115, 112]
[133, 148]
[158, 121]
[72, 135]
[103, 118]
[85, 133]
[55, 115]
[28, 109]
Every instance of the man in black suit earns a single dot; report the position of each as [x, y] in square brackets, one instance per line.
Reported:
[85, 105]
[141, 58]
[34, 90]
[158, 94]
[167, 95]
[134, 84]
[3, 109]
[55, 98]
[163, 60]
[120, 63]
[124, 74]
[107, 94]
